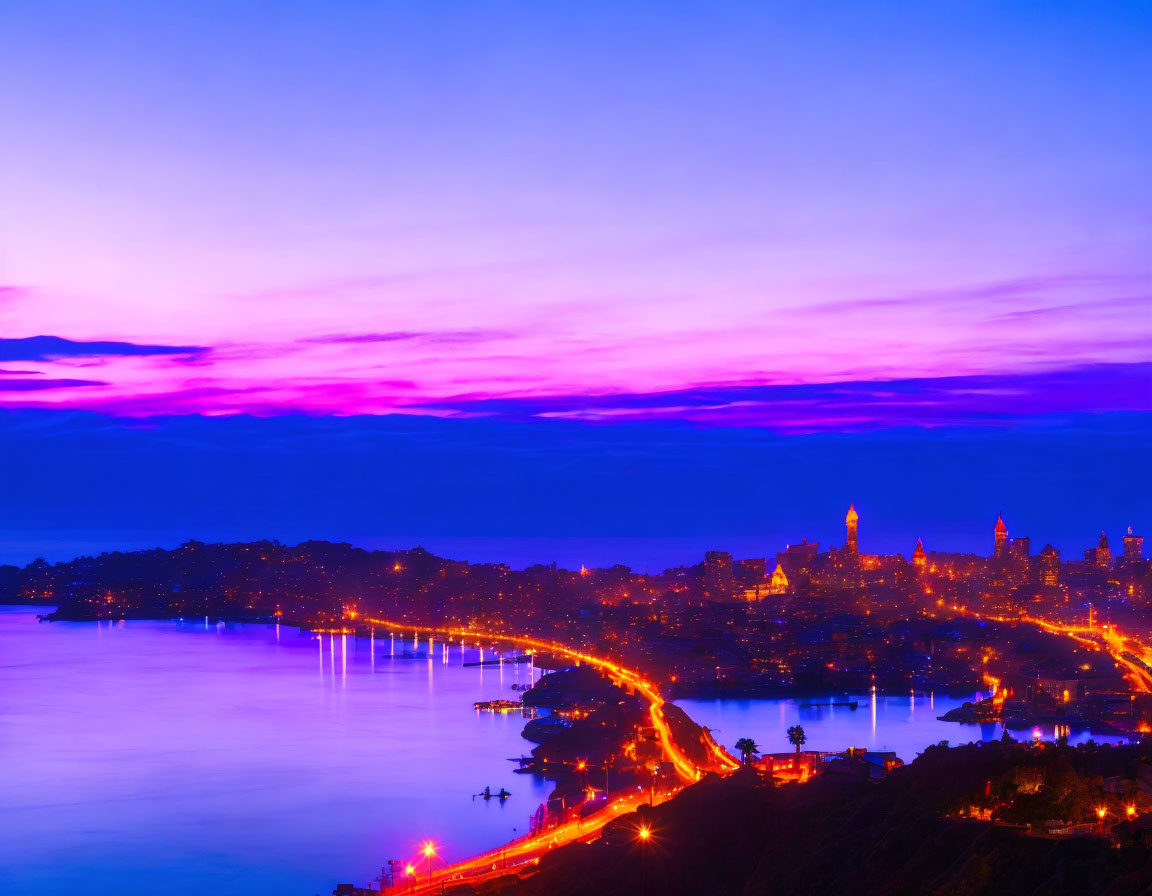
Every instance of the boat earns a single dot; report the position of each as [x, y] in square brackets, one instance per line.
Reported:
[816, 704]
[487, 794]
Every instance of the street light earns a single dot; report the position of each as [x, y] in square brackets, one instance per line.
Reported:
[643, 835]
[429, 851]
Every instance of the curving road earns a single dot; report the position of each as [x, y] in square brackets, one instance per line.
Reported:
[526, 851]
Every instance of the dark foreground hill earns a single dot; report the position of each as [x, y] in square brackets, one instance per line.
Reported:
[739, 835]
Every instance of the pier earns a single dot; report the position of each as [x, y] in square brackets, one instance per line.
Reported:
[526, 658]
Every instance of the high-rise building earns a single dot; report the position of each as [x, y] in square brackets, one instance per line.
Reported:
[1133, 546]
[718, 571]
[919, 555]
[852, 544]
[798, 558]
[1049, 566]
[1101, 555]
[1000, 550]
[1020, 549]
[751, 571]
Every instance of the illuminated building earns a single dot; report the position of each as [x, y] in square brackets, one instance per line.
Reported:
[718, 571]
[1049, 566]
[779, 581]
[1133, 546]
[1019, 552]
[1101, 555]
[798, 558]
[1000, 551]
[852, 545]
[919, 556]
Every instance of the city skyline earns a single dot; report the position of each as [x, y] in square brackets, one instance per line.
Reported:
[575, 448]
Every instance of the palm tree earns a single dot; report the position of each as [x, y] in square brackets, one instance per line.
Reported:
[747, 747]
[797, 737]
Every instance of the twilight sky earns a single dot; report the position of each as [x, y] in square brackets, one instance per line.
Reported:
[798, 217]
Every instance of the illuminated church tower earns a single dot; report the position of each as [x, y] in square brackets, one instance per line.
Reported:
[852, 546]
[779, 582]
[1001, 551]
[919, 556]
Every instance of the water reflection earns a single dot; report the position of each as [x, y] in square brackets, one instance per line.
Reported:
[878, 723]
[223, 742]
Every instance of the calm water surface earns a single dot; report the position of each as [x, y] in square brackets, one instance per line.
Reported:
[184, 758]
[905, 725]
[153, 757]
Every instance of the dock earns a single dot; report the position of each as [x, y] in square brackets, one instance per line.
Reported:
[526, 658]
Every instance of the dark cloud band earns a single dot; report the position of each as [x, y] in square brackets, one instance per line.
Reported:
[52, 348]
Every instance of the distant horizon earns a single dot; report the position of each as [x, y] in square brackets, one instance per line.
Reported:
[589, 269]
[385, 478]
[566, 551]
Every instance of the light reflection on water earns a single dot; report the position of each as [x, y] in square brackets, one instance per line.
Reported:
[905, 725]
[150, 757]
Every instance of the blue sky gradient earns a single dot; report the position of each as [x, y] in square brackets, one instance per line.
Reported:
[357, 268]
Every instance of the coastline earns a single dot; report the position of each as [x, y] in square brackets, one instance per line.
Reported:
[675, 691]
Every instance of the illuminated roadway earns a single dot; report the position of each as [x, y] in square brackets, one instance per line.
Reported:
[528, 850]
[1127, 651]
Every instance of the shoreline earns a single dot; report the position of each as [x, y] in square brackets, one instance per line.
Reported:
[676, 693]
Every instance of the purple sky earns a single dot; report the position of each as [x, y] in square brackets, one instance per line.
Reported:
[359, 208]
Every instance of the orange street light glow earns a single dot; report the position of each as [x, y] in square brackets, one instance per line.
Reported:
[529, 849]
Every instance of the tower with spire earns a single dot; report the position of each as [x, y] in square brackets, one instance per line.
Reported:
[1102, 556]
[852, 545]
[1001, 549]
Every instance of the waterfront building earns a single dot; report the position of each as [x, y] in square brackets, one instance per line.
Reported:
[852, 544]
[1000, 548]
[1133, 546]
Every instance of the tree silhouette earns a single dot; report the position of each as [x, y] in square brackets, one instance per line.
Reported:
[797, 737]
[747, 747]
